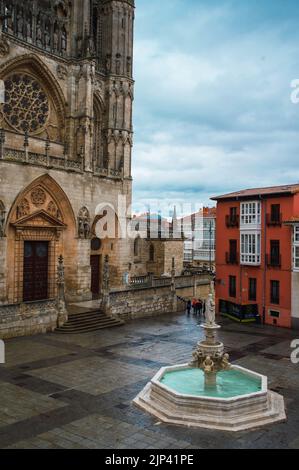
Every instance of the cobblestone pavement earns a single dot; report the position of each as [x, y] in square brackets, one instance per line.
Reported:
[76, 391]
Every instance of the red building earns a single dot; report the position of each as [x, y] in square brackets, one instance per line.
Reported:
[257, 255]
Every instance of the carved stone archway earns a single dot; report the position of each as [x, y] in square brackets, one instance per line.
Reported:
[41, 213]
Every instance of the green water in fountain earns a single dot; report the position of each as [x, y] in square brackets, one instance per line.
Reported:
[230, 383]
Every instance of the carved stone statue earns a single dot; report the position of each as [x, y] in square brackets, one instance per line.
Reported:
[81, 228]
[39, 33]
[20, 24]
[63, 41]
[47, 38]
[208, 365]
[10, 21]
[84, 227]
[210, 310]
[55, 40]
[29, 27]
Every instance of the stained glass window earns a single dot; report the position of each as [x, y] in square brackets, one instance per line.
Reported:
[26, 105]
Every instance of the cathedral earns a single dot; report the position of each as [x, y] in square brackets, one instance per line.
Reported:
[65, 153]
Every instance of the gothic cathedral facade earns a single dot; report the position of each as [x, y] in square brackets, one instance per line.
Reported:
[65, 147]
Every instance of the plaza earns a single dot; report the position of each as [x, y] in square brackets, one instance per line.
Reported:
[76, 391]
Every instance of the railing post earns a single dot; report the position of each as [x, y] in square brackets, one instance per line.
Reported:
[61, 307]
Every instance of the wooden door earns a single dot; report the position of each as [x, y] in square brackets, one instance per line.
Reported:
[36, 265]
[95, 275]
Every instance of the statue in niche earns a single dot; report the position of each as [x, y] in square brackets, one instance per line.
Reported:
[47, 37]
[39, 33]
[29, 27]
[84, 228]
[81, 228]
[55, 39]
[63, 40]
[20, 23]
[10, 22]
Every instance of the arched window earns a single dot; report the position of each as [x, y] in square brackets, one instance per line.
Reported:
[136, 246]
[152, 253]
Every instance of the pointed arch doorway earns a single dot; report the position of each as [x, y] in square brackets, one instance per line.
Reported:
[41, 224]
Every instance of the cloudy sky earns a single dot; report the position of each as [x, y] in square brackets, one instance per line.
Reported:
[212, 110]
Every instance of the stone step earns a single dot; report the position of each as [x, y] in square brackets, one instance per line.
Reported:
[87, 322]
[86, 318]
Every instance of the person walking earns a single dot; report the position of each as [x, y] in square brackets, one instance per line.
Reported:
[199, 306]
[194, 306]
[189, 305]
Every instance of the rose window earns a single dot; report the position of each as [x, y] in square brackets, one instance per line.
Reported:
[26, 104]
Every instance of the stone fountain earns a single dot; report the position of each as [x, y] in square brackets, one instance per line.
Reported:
[209, 392]
[209, 355]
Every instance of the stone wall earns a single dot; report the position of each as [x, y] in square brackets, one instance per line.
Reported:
[28, 319]
[142, 303]
[152, 301]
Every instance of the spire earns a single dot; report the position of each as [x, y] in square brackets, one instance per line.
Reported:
[174, 217]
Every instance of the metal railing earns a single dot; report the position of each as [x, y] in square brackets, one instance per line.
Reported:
[274, 221]
[232, 221]
[232, 258]
[273, 261]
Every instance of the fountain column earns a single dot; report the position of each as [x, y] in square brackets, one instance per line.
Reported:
[209, 355]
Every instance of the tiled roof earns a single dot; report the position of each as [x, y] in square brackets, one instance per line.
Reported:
[204, 212]
[286, 189]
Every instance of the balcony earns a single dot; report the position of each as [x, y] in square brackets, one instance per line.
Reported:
[273, 261]
[232, 258]
[232, 222]
[274, 221]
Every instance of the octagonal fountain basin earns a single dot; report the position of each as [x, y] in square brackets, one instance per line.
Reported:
[241, 399]
[231, 383]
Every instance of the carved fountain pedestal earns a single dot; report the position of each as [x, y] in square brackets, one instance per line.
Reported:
[225, 406]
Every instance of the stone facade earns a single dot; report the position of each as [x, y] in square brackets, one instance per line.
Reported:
[66, 138]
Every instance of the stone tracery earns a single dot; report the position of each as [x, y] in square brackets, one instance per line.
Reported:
[26, 104]
[45, 25]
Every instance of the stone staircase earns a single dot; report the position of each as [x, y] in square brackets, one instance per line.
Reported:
[88, 321]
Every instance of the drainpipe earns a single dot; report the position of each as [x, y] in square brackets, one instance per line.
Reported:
[264, 207]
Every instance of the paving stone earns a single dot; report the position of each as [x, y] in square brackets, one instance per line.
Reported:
[64, 391]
